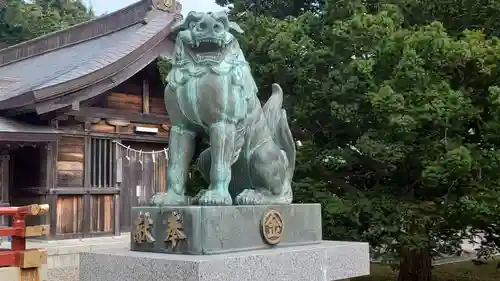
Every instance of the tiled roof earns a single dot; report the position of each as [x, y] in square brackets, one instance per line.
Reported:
[33, 72]
[67, 62]
[78, 33]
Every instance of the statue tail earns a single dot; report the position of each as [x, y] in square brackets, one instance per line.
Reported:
[278, 126]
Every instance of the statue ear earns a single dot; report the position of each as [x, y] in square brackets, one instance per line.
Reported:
[192, 16]
[178, 28]
[234, 26]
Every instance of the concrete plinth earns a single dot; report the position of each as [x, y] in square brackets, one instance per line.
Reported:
[326, 261]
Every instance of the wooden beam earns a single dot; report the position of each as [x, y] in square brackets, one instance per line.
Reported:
[113, 114]
[60, 114]
[145, 96]
[37, 230]
[29, 137]
[75, 106]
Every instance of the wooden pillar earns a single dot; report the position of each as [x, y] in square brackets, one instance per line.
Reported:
[118, 181]
[145, 96]
[4, 177]
[4, 186]
[51, 184]
[87, 154]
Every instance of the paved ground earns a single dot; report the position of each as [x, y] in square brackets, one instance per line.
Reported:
[64, 258]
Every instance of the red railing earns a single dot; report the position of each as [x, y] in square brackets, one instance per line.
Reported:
[18, 255]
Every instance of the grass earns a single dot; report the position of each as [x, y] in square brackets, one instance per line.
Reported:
[460, 271]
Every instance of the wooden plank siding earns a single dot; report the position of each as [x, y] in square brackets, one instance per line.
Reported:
[101, 206]
[84, 209]
[123, 101]
[132, 103]
[70, 162]
[70, 215]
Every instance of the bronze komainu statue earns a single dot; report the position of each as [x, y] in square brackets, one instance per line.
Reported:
[251, 158]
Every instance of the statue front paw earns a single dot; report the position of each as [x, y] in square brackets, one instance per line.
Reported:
[214, 197]
[262, 197]
[250, 197]
[167, 198]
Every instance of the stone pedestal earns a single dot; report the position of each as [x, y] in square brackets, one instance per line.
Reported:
[206, 230]
[325, 261]
[226, 243]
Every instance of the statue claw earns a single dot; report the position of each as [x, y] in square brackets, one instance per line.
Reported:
[168, 198]
[250, 197]
[213, 197]
[260, 197]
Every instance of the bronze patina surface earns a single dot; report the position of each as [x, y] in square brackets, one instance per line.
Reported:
[211, 92]
[207, 230]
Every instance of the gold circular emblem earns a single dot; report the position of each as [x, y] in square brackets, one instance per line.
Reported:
[165, 5]
[272, 227]
[168, 3]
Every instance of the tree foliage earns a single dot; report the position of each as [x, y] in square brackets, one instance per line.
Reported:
[398, 114]
[23, 20]
[274, 8]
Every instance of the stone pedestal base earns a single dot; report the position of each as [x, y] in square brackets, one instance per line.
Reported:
[326, 261]
[211, 230]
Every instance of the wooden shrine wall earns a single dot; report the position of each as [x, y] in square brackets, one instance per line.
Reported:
[81, 208]
[70, 161]
[70, 215]
[90, 199]
[128, 96]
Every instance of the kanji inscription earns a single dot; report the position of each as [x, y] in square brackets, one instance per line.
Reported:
[143, 226]
[175, 229]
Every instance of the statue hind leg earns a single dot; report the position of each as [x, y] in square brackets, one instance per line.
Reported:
[268, 172]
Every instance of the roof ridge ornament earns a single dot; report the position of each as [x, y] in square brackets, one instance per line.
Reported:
[169, 6]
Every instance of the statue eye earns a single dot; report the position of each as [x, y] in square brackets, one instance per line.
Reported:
[222, 23]
[192, 25]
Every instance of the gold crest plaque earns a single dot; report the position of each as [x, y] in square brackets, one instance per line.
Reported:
[272, 227]
[166, 5]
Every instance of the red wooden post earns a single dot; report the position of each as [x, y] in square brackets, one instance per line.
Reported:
[18, 255]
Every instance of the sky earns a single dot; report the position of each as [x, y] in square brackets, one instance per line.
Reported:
[107, 6]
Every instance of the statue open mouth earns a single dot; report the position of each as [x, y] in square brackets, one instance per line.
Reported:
[208, 45]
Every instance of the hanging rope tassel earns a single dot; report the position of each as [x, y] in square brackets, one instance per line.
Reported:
[140, 160]
[128, 153]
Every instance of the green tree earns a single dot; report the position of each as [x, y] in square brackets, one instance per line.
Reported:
[456, 15]
[399, 124]
[274, 8]
[22, 20]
